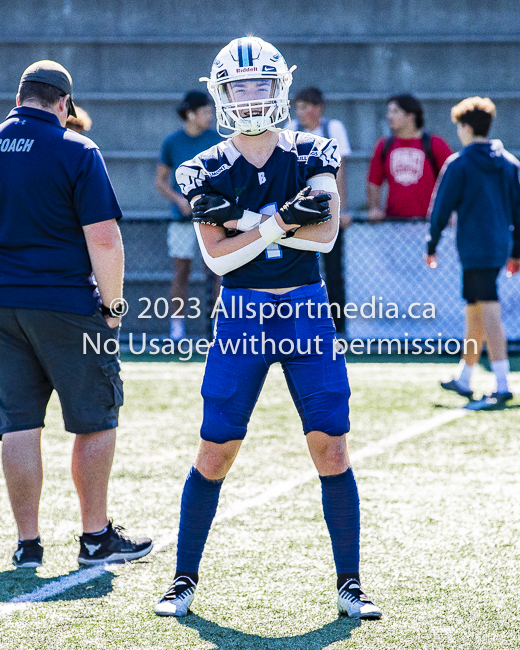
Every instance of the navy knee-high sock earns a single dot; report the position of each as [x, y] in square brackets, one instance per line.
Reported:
[198, 507]
[341, 511]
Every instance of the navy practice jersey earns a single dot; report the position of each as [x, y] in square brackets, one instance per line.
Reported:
[223, 170]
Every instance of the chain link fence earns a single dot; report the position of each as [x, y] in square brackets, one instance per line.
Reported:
[390, 292]
[148, 278]
[384, 267]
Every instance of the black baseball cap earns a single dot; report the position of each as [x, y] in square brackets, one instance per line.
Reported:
[54, 74]
[193, 100]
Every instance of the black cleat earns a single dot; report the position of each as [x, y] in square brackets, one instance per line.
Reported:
[455, 388]
[112, 546]
[493, 402]
[29, 554]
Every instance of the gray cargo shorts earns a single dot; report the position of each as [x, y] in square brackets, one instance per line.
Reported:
[42, 351]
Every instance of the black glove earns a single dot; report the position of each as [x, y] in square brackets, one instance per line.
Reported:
[306, 211]
[215, 210]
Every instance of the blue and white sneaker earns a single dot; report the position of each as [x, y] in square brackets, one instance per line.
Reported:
[177, 600]
[493, 402]
[455, 387]
[353, 602]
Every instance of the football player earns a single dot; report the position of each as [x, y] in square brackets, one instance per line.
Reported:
[265, 204]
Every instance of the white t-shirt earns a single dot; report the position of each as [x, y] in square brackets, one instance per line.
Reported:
[337, 130]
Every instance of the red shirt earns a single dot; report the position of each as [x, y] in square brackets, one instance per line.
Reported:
[409, 174]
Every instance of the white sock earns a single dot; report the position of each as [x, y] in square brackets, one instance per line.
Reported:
[464, 375]
[501, 370]
[177, 329]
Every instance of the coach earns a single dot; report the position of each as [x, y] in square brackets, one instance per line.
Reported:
[58, 227]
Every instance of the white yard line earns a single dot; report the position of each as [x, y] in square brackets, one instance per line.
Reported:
[52, 589]
[274, 491]
[414, 430]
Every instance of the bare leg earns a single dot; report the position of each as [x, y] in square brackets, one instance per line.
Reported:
[495, 337]
[329, 453]
[215, 460]
[22, 463]
[474, 332]
[91, 464]
[496, 344]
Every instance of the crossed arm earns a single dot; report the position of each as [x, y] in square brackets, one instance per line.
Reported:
[223, 254]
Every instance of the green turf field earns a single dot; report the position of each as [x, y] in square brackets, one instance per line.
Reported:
[440, 526]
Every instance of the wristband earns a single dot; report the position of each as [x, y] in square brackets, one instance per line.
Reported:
[117, 312]
[248, 221]
[270, 230]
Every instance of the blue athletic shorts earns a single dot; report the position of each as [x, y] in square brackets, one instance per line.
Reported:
[294, 329]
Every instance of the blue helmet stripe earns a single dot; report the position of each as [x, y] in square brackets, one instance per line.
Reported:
[240, 54]
[244, 53]
[249, 53]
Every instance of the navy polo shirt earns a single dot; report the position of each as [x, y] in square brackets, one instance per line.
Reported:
[53, 182]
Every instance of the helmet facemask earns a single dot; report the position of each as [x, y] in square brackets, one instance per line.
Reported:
[252, 106]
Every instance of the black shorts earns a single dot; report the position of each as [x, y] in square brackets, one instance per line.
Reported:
[42, 350]
[479, 285]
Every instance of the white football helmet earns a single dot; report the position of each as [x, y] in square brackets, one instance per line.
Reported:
[245, 108]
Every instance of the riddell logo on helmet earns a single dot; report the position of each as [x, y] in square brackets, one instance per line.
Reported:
[247, 69]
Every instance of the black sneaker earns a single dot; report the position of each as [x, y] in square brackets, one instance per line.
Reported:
[112, 546]
[493, 402]
[454, 386]
[356, 604]
[29, 554]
